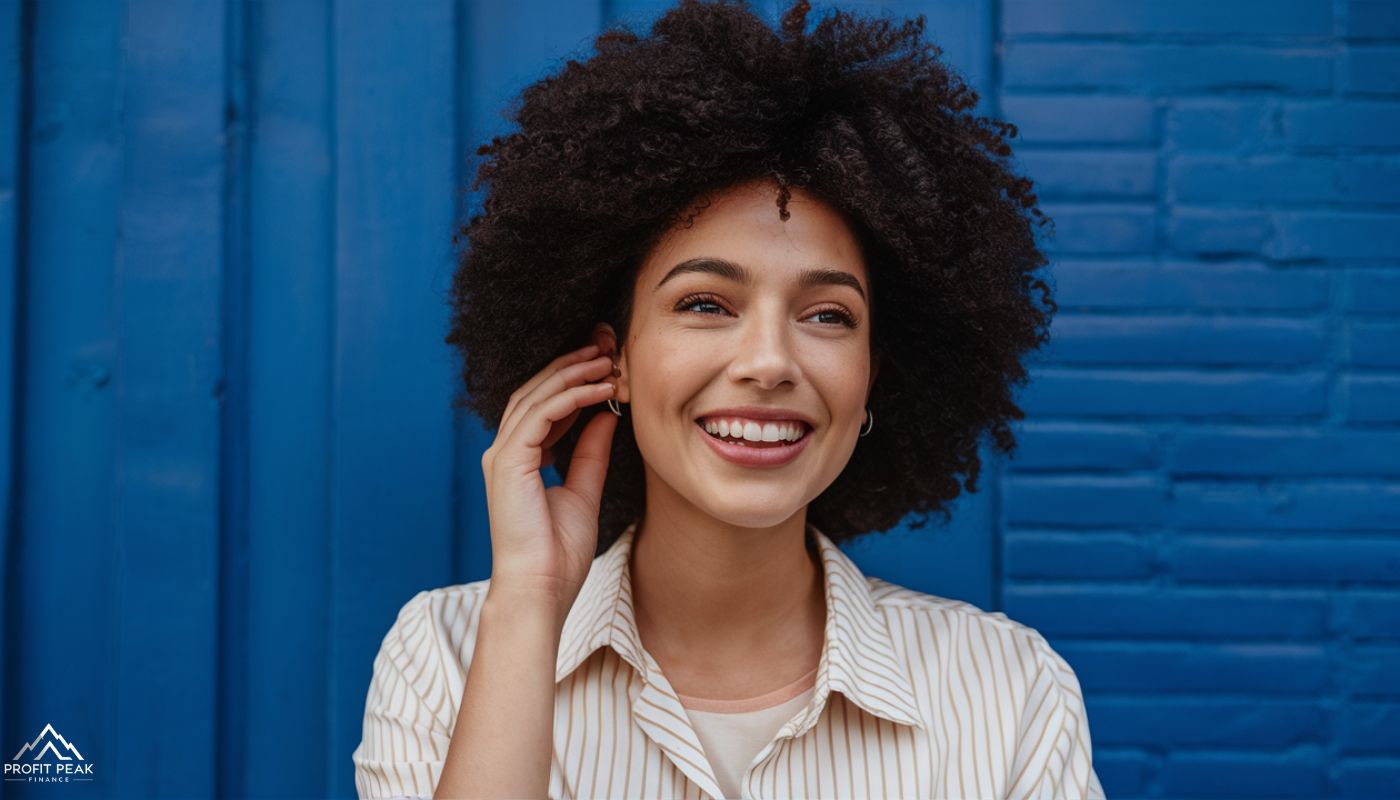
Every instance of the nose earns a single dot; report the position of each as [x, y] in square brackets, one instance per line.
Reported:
[766, 353]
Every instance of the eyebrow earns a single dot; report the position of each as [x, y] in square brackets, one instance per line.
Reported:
[723, 268]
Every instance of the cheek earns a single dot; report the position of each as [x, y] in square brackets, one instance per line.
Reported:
[662, 380]
[841, 378]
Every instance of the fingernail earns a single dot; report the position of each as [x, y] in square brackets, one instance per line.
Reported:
[617, 373]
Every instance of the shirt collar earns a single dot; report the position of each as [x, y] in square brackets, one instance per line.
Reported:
[859, 658]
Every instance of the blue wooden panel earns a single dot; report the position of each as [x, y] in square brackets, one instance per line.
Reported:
[11, 116]
[232, 600]
[61, 662]
[162, 730]
[290, 253]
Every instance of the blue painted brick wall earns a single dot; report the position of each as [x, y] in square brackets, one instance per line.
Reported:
[1203, 516]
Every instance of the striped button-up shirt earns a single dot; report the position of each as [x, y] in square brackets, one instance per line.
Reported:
[917, 696]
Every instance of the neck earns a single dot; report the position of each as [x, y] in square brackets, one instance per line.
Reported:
[714, 595]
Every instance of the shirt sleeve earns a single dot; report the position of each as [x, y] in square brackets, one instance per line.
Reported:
[405, 741]
[1054, 751]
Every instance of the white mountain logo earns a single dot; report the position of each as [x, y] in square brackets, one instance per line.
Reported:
[49, 741]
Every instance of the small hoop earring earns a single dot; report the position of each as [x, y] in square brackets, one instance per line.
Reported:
[612, 404]
[870, 422]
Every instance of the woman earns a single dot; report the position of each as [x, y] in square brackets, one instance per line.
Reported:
[766, 239]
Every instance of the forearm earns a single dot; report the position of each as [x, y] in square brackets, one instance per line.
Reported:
[503, 740]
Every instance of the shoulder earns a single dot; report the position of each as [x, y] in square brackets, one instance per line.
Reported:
[430, 642]
[961, 655]
[930, 625]
[416, 686]
[450, 605]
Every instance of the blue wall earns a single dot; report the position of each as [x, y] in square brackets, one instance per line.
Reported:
[227, 455]
[1204, 517]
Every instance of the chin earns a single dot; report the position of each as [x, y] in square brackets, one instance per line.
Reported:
[755, 513]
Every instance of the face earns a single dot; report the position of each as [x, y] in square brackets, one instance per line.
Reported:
[744, 309]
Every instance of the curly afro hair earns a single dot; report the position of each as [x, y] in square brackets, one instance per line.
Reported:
[614, 150]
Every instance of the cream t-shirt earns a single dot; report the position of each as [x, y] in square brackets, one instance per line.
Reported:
[733, 731]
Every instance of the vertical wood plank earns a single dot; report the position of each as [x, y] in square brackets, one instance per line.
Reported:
[12, 124]
[291, 252]
[66, 411]
[233, 601]
[169, 384]
[391, 503]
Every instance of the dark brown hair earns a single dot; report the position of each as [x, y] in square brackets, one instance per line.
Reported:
[614, 150]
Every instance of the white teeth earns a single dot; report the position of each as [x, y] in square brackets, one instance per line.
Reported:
[752, 431]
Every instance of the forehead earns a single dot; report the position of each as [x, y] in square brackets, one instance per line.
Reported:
[742, 224]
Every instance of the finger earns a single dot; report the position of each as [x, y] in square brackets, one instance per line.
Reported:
[556, 432]
[552, 384]
[521, 448]
[526, 393]
[558, 429]
[581, 354]
[588, 467]
[558, 381]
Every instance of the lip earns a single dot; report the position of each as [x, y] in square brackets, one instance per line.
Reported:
[761, 412]
[746, 456]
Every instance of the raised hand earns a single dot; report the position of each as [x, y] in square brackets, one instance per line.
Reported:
[543, 539]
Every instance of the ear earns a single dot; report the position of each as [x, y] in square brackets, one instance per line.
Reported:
[606, 338]
[874, 370]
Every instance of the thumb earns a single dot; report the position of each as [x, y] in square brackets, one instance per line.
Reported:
[588, 466]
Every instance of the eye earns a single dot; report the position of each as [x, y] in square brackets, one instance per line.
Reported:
[841, 314]
[843, 317]
[698, 300]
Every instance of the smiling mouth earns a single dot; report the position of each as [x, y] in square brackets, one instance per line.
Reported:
[742, 442]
